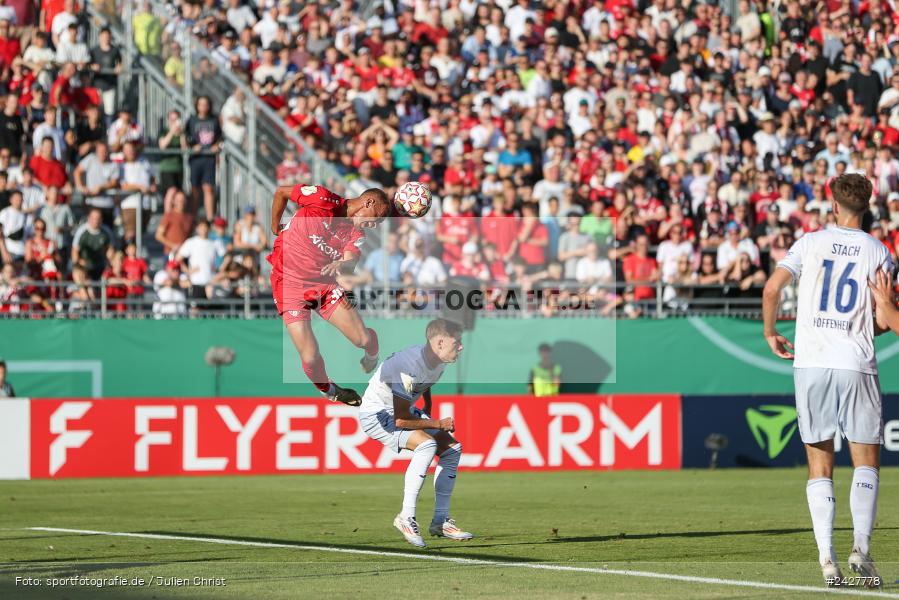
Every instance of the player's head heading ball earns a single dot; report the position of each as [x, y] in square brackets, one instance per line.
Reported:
[852, 193]
[369, 209]
[444, 339]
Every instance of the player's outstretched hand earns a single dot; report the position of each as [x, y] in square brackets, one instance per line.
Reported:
[882, 286]
[780, 346]
[333, 269]
[447, 424]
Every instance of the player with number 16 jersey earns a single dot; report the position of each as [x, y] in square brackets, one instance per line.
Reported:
[835, 369]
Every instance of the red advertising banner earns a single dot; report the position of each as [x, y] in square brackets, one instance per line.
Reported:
[146, 437]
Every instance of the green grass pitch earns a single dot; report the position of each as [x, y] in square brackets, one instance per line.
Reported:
[747, 525]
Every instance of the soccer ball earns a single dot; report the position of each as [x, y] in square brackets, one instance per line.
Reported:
[413, 199]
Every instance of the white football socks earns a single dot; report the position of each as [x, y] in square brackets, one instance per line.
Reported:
[415, 475]
[445, 480]
[823, 507]
[863, 505]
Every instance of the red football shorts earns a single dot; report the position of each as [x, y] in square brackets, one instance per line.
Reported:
[295, 302]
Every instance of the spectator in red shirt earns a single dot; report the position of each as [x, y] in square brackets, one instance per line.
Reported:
[116, 283]
[367, 70]
[764, 195]
[63, 93]
[533, 238]
[495, 265]
[135, 270]
[454, 229]
[9, 45]
[639, 267]
[469, 265]
[500, 228]
[47, 170]
[291, 171]
[51, 8]
[889, 136]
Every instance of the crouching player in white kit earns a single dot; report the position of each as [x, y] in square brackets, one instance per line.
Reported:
[835, 370]
[388, 415]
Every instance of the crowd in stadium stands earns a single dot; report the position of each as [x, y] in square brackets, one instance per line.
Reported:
[649, 140]
[594, 141]
[75, 184]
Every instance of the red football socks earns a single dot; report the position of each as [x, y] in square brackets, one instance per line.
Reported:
[316, 373]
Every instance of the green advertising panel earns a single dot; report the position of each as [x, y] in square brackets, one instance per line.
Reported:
[166, 358]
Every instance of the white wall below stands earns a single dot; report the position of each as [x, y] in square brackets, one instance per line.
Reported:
[15, 438]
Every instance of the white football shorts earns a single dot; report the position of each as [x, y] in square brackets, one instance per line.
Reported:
[838, 400]
[380, 426]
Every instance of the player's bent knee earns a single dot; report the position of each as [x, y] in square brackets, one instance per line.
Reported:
[453, 448]
[362, 338]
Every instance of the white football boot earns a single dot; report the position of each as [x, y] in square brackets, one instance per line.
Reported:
[863, 566]
[832, 574]
[449, 530]
[410, 530]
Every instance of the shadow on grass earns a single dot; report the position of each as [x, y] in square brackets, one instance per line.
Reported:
[691, 534]
[350, 548]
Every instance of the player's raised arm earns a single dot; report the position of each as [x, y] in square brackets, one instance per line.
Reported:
[404, 418]
[770, 304]
[884, 299]
[279, 203]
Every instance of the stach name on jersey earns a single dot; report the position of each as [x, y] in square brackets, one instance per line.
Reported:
[841, 250]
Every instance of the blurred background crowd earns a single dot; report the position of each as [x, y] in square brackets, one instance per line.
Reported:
[641, 152]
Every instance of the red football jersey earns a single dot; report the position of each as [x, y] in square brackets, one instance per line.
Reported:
[317, 235]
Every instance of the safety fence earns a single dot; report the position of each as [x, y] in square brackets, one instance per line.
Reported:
[248, 164]
[250, 297]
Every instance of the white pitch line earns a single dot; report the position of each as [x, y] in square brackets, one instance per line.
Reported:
[496, 563]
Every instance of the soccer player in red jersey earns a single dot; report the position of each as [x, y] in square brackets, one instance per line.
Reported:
[320, 241]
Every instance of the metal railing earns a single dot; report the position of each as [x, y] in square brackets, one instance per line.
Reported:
[102, 299]
[267, 136]
[246, 299]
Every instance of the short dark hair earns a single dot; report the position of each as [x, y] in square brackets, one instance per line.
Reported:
[852, 192]
[378, 195]
[544, 347]
[443, 327]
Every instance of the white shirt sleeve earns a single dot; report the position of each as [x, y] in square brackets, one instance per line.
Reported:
[184, 250]
[391, 376]
[792, 262]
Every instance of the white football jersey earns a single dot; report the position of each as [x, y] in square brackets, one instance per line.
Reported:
[404, 374]
[835, 314]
